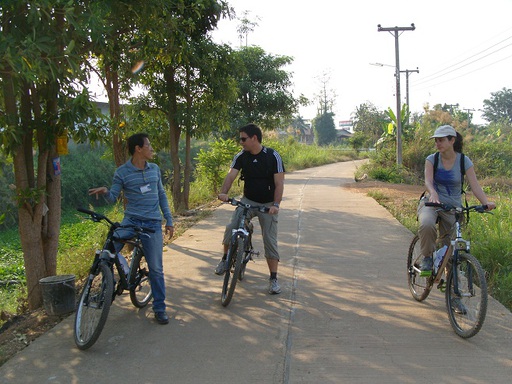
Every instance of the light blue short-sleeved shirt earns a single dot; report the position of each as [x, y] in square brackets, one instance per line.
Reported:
[448, 183]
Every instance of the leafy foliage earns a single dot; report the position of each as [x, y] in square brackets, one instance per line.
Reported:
[9, 214]
[491, 159]
[498, 108]
[324, 128]
[212, 164]
[84, 167]
[370, 121]
[264, 95]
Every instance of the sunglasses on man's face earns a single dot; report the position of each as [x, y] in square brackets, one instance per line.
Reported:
[242, 139]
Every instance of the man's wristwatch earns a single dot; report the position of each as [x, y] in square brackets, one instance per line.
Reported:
[276, 205]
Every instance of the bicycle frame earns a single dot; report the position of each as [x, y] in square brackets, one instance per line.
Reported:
[239, 251]
[109, 255]
[101, 286]
[457, 244]
[243, 227]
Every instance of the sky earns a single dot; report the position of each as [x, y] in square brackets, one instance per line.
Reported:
[461, 48]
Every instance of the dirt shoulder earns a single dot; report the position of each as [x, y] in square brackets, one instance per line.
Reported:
[398, 193]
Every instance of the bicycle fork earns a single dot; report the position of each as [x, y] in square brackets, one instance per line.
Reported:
[461, 245]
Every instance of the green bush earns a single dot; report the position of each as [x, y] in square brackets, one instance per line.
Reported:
[9, 216]
[84, 167]
[490, 159]
[491, 244]
[213, 164]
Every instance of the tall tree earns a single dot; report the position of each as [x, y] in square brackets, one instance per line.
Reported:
[499, 106]
[323, 124]
[245, 27]
[264, 89]
[187, 79]
[325, 129]
[370, 121]
[41, 46]
[113, 54]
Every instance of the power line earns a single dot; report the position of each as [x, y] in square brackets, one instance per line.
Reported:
[426, 80]
[462, 61]
[458, 77]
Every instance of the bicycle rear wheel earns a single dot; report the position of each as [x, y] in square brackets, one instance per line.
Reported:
[234, 265]
[420, 286]
[467, 310]
[93, 307]
[140, 287]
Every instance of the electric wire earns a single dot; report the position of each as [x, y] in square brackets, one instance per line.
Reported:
[448, 70]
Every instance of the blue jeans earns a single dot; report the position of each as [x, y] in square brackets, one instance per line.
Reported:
[153, 250]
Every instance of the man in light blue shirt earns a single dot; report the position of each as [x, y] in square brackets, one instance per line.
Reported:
[146, 203]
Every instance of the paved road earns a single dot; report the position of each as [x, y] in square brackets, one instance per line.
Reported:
[345, 314]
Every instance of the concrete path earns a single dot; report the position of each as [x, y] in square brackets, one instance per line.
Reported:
[345, 314]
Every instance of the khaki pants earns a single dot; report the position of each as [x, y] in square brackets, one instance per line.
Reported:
[428, 217]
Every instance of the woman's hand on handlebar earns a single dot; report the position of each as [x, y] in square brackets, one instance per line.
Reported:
[490, 205]
[434, 198]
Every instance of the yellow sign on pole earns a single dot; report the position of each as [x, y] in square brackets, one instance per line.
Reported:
[62, 143]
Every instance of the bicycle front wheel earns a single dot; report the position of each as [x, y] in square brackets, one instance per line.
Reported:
[468, 307]
[140, 287]
[247, 256]
[234, 266]
[420, 286]
[93, 307]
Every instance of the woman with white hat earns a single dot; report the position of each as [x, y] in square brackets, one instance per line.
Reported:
[443, 180]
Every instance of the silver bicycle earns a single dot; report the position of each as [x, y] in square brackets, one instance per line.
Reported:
[465, 287]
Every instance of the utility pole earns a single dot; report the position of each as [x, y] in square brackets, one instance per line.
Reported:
[407, 71]
[395, 31]
[469, 114]
[451, 107]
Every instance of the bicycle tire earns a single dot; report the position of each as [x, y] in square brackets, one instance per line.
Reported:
[138, 283]
[420, 286]
[234, 265]
[248, 249]
[467, 320]
[94, 306]
[242, 269]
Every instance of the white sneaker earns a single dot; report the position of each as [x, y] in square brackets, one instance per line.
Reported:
[273, 287]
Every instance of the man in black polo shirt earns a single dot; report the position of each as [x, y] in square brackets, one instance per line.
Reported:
[263, 174]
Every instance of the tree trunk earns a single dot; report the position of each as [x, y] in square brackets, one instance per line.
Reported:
[188, 171]
[50, 230]
[112, 85]
[30, 221]
[175, 133]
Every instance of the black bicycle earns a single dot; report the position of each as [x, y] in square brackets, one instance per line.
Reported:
[101, 287]
[240, 250]
[465, 287]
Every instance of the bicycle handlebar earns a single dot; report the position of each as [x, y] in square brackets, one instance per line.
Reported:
[447, 207]
[238, 203]
[97, 217]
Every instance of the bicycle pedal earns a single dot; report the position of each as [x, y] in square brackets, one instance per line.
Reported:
[426, 273]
